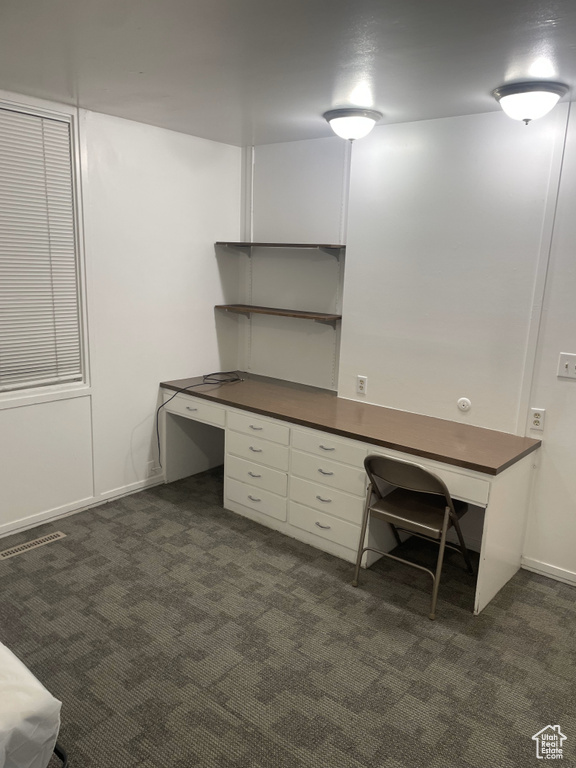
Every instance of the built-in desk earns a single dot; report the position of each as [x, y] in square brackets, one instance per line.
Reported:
[294, 461]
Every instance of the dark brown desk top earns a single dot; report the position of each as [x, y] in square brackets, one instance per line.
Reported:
[482, 450]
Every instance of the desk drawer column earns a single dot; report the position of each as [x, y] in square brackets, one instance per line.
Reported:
[327, 491]
[257, 459]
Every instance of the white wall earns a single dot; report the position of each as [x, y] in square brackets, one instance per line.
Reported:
[300, 191]
[444, 241]
[45, 460]
[154, 203]
[551, 536]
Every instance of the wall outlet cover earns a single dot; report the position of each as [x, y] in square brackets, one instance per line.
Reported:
[537, 419]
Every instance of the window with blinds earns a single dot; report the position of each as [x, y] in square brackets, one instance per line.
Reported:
[40, 329]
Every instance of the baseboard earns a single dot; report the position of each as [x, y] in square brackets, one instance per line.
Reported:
[126, 490]
[33, 521]
[40, 518]
[552, 571]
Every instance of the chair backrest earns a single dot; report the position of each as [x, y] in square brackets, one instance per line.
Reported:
[404, 474]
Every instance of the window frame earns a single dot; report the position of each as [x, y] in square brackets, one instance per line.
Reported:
[59, 390]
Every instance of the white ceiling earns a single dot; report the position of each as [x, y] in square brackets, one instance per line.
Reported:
[262, 71]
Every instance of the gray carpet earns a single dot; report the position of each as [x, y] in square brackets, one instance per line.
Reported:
[178, 634]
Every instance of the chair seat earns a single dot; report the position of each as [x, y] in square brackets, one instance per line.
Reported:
[418, 512]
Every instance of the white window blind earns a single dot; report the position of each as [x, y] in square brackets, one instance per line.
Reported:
[40, 339]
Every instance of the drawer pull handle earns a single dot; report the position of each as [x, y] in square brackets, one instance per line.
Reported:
[188, 408]
[253, 498]
[324, 527]
[324, 448]
[323, 472]
[256, 429]
[326, 501]
[253, 474]
[255, 450]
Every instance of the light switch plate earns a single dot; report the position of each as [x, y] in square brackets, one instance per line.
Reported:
[567, 365]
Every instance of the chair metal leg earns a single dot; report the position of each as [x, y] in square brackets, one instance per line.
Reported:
[439, 563]
[362, 535]
[463, 547]
[60, 753]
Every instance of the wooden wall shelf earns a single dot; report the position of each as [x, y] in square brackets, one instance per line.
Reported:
[322, 246]
[248, 309]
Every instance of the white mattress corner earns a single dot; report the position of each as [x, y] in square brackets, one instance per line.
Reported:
[29, 716]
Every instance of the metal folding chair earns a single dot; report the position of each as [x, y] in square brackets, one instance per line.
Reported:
[410, 498]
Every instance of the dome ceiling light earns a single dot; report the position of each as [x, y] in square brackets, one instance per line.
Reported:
[529, 101]
[352, 122]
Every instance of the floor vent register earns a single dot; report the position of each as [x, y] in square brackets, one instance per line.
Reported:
[27, 546]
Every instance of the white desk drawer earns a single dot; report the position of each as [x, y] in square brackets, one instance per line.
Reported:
[259, 451]
[322, 444]
[331, 473]
[249, 425]
[255, 498]
[327, 500]
[461, 485]
[257, 475]
[195, 408]
[324, 526]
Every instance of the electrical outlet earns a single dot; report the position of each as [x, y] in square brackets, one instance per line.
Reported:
[567, 366]
[537, 419]
[152, 469]
[361, 385]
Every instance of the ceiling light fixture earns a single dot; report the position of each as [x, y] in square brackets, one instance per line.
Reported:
[351, 122]
[529, 101]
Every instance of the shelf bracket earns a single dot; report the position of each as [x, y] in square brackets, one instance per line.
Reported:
[326, 322]
[332, 251]
[242, 247]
